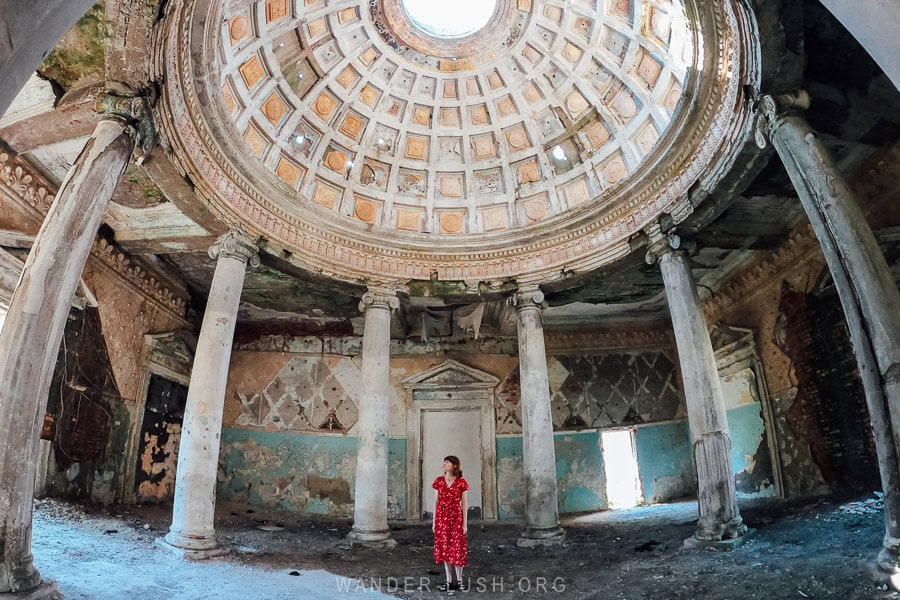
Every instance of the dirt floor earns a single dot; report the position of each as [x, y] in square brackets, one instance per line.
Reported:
[809, 549]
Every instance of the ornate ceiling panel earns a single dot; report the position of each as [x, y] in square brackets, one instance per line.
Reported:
[366, 112]
[360, 143]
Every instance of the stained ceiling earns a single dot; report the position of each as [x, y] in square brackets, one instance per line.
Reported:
[159, 213]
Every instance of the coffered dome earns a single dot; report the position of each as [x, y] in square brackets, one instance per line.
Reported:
[462, 138]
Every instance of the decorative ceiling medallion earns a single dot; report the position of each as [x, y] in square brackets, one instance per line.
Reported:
[238, 28]
[452, 222]
[365, 211]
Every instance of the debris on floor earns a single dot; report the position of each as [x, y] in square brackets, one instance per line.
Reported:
[865, 507]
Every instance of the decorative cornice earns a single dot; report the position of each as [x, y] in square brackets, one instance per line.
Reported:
[238, 245]
[26, 185]
[596, 341]
[380, 297]
[27, 188]
[801, 243]
[773, 110]
[120, 263]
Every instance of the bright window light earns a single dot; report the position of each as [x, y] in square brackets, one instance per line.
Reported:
[559, 153]
[450, 19]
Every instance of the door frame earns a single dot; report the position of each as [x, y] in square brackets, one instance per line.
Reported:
[451, 386]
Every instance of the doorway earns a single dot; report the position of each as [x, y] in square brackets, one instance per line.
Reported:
[623, 481]
[452, 412]
[456, 432]
[160, 437]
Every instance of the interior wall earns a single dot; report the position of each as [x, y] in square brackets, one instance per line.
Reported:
[289, 426]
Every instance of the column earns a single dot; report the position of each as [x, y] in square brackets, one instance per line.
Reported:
[28, 36]
[370, 492]
[30, 338]
[538, 454]
[192, 534]
[864, 283]
[720, 519]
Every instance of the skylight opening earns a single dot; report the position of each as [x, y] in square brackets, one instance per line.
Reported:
[449, 20]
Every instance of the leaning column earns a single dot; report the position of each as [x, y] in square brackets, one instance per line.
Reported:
[538, 454]
[370, 492]
[192, 534]
[864, 283]
[720, 519]
[30, 338]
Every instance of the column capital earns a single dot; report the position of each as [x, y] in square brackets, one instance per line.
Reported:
[133, 111]
[662, 245]
[235, 244]
[528, 297]
[379, 297]
[772, 111]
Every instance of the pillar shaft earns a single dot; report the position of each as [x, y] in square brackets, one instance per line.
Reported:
[198, 454]
[864, 283]
[538, 452]
[30, 338]
[719, 515]
[370, 492]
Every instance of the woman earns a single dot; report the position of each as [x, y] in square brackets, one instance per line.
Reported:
[450, 524]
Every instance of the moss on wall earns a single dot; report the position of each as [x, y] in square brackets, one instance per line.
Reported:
[80, 56]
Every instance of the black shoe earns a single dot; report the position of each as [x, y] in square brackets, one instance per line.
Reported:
[445, 587]
[462, 586]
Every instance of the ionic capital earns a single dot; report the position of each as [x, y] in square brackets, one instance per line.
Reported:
[528, 297]
[380, 297]
[236, 244]
[774, 109]
[133, 111]
[663, 244]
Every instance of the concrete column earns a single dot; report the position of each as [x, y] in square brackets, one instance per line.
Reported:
[865, 286]
[192, 534]
[370, 493]
[30, 337]
[720, 521]
[28, 35]
[874, 24]
[538, 454]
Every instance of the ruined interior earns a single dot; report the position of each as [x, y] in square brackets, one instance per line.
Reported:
[263, 264]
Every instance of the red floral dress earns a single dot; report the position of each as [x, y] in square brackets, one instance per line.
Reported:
[449, 539]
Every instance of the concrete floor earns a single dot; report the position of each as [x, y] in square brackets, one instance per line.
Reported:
[810, 549]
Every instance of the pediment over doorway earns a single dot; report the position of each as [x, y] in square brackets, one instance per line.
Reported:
[451, 374]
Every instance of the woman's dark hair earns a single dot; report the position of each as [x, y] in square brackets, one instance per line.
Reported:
[457, 469]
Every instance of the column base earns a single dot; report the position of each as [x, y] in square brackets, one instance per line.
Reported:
[885, 569]
[47, 590]
[532, 537]
[192, 553]
[722, 545]
[380, 540]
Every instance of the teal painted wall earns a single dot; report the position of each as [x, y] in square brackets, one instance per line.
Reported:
[581, 481]
[665, 461]
[305, 473]
[750, 457]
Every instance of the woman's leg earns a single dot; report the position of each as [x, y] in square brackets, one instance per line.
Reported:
[449, 574]
[459, 571]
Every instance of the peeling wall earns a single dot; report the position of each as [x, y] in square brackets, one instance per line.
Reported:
[750, 456]
[289, 414]
[305, 473]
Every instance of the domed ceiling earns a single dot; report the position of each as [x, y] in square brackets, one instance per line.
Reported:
[452, 128]
[466, 139]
